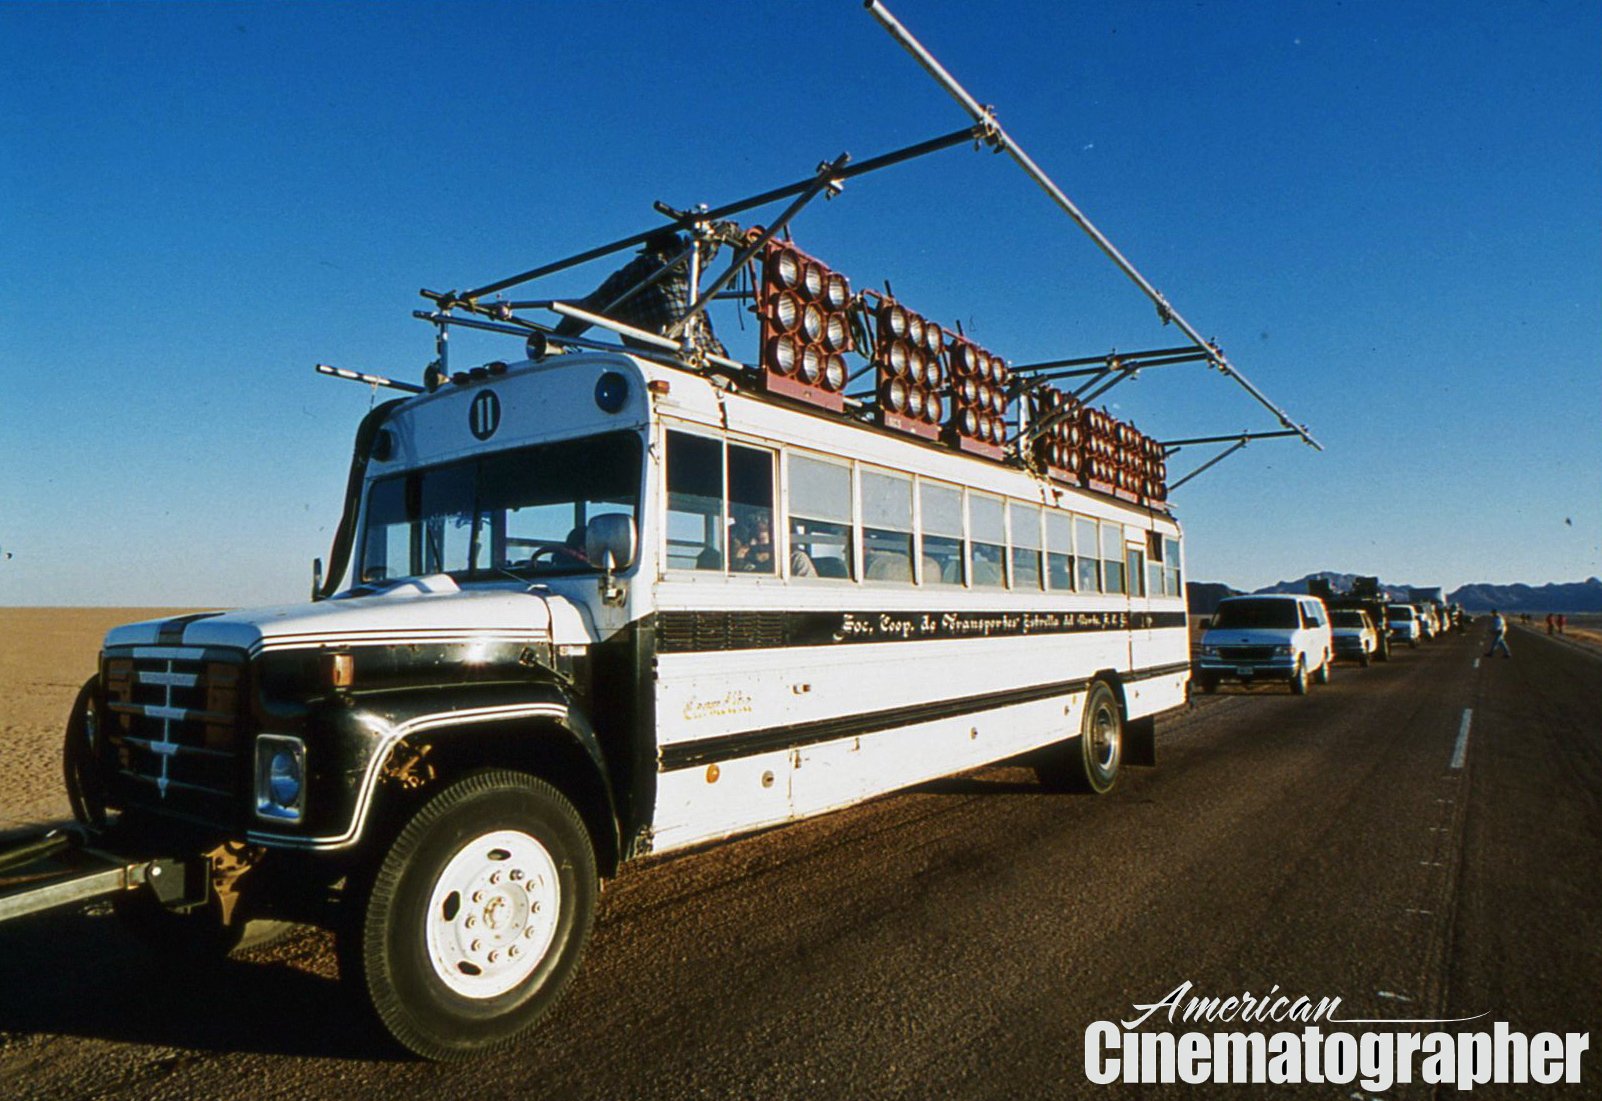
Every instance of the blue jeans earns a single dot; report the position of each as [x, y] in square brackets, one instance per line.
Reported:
[1499, 642]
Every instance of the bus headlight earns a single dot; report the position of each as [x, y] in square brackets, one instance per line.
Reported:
[280, 777]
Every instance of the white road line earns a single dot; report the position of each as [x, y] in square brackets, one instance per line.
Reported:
[1476, 663]
[1460, 751]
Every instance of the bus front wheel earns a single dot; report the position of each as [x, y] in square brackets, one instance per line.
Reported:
[475, 919]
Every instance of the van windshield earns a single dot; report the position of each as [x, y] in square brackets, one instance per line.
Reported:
[1348, 619]
[1257, 613]
[522, 511]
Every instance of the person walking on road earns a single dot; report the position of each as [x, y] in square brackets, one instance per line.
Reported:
[1562, 622]
[1551, 623]
[1498, 636]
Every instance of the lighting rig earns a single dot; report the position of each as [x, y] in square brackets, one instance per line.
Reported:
[930, 383]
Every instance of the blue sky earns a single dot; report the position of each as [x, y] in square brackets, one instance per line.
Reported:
[1385, 213]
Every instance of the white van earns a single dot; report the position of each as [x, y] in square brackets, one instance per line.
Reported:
[1267, 637]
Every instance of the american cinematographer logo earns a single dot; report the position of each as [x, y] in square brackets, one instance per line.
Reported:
[484, 415]
[1244, 1046]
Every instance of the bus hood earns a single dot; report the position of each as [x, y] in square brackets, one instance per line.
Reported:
[416, 611]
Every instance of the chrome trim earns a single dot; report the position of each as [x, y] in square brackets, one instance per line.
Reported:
[375, 763]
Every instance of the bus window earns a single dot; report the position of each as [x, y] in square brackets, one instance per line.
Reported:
[1025, 526]
[1135, 569]
[987, 534]
[1085, 538]
[886, 526]
[1171, 586]
[750, 510]
[942, 534]
[1112, 557]
[820, 519]
[695, 502]
[1059, 551]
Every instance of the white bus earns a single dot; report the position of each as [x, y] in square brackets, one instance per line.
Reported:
[591, 607]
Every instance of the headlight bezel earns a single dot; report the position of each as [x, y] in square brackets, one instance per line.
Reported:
[280, 760]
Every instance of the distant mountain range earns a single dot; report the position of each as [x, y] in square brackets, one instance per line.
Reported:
[1574, 596]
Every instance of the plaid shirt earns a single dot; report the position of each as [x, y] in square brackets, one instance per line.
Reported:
[658, 307]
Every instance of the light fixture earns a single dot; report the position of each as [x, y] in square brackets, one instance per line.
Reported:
[908, 374]
[979, 383]
[805, 312]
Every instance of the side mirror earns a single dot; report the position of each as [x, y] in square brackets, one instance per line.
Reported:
[317, 579]
[611, 541]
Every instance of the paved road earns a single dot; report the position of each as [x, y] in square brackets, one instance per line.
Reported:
[956, 940]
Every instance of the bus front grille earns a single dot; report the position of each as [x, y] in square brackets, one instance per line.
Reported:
[176, 733]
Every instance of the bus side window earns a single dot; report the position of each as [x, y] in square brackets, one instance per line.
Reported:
[695, 502]
[751, 510]
[942, 534]
[1112, 558]
[1025, 545]
[1059, 551]
[886, 526]
[820, 519]
[987, 532]
[1171, 585]
[1089, 551]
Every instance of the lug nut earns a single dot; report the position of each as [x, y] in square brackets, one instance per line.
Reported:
[476, 946]
[514, 952]
[470, 921]
[495, 957]
[516, 875]
[495, 878]
[478, 896]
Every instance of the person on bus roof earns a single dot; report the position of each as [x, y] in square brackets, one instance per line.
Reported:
[658, 307]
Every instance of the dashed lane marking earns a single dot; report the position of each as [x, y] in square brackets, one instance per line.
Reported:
[1460, 751]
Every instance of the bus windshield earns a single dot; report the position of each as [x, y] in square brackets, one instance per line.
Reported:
[1257, 613]
[521, 512]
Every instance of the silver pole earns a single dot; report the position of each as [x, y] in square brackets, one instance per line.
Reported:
[827, 178]
[1210, 463]
[1000, 139]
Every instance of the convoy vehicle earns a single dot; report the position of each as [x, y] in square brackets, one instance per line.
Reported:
[1266, 637]
[1365, 596]
[1402, 621]
[1354, 635]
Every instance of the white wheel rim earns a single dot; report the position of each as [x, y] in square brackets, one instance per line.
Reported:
[492, 914]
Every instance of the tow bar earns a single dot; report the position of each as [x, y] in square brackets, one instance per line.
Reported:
[59, 868]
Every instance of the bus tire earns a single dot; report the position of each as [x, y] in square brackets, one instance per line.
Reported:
[474, 921]
[1090, 760]
[1298, 681]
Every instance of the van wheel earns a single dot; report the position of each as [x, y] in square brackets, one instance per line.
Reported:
[1298, 681]
[1207, 684]
[1324, 671]
[1089, 761]
[1365, 659]
[475, 920]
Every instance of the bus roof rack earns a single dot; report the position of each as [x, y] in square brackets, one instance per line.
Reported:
[929, 381]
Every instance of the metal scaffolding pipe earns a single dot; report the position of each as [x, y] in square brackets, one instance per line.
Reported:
[873, 164]
[1000, 139]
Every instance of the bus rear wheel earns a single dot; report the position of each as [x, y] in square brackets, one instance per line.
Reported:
[474, 921]
[1089, 761]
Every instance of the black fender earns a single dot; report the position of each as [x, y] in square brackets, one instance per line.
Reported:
[561, 748]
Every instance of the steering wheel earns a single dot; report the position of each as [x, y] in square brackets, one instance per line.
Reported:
[557, 552]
